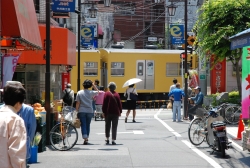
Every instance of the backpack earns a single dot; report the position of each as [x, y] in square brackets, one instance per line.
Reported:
[67, 98]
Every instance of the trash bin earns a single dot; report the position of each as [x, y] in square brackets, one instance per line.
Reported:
[33, 155]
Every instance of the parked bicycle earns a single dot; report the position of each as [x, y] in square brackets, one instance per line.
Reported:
[64, 135]
[232, 114]
[197, 130]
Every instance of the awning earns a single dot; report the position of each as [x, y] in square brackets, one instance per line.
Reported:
[240, 40]
[63, 48]
[19, 24]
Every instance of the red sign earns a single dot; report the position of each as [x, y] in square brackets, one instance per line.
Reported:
[19, 20]
[65, 79]
[218, 77]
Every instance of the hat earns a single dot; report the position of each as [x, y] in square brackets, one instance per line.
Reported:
[13, 82]
[68, 85]
[198, 87]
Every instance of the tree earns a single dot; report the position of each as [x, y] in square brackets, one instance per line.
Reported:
[217, 21]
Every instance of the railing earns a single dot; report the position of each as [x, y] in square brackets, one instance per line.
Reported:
[155, 104]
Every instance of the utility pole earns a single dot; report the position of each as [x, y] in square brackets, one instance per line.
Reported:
[47, 73]
[79, 46]
[185, 65]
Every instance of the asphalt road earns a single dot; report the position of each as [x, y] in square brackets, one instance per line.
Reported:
[154, 141]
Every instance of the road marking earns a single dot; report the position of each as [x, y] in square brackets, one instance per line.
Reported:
[133, 132]
[201, 154]
[235, 144]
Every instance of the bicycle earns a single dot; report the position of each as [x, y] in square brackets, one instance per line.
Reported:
[64, 135]
[197, 130]
[232, 114]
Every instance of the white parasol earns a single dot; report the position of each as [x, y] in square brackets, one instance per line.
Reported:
[131, 81]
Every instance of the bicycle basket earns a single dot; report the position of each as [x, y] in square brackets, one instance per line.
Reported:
[200, 112]
[69, 113]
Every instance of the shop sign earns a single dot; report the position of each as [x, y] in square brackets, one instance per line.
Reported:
[65, 79]
[177, 34]
[245, 104]
[218, 77]
[88, 35]
[63, 5]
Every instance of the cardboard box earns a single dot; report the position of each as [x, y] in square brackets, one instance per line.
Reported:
[58, 105]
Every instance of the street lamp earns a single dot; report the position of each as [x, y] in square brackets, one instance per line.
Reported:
[171, 12]
[93, 14]
[171, 9]
[92, 11]
[107, 3]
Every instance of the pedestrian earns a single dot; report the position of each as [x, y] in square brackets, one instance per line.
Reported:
[112, 109]
[178, 95]
[198, 101]
[84, 107]
[68, 95]
[98, 87]
[13, 136]
[172, 87]
[189, 94]
[131, 104]
[99, 102]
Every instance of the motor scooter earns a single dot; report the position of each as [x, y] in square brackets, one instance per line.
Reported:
[217, 134]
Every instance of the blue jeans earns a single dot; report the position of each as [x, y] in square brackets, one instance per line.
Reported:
[177, 110]
[85, 119]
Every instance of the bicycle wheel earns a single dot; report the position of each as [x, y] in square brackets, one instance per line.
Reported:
[195, 130]
[65, 139]
[232, 114]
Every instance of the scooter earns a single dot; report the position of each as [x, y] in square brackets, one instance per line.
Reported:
[217, 133]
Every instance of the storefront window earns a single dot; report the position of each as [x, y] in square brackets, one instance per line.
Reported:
[173, 69]
[90, 69]
[117, 68]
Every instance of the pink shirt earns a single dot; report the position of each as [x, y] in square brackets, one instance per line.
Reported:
[12, 139]
[99, 97]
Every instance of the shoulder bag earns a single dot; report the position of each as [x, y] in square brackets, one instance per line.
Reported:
[133, 96]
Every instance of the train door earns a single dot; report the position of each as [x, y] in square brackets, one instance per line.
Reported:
[104, 76]
[145, 71]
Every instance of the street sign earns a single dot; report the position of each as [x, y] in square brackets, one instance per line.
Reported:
[176, 1]
[152, 38]
[202, 77]
[63, 5]
[177, 34]
[88, 35]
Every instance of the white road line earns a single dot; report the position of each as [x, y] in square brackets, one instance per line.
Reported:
[235, 144]
[201, 154]
[133, 132]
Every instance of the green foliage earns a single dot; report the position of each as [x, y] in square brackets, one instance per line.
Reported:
[233, 97]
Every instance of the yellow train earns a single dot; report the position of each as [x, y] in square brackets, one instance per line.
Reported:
[156, 68]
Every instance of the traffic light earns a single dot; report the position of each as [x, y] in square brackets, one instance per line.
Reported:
[191, 60]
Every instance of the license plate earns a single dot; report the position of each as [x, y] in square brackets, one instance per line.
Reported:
[221, 134]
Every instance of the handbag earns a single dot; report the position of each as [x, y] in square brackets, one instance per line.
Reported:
[133, 96]
[77, 123]
[169, 106]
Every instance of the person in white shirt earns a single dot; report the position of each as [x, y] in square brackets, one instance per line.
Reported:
[13, 136]
[131, 104]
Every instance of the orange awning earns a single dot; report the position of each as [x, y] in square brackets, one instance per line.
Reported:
[63, 48]
[19, 24]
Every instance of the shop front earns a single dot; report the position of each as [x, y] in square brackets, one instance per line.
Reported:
[31, 66]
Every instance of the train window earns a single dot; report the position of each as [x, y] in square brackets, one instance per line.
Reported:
[173, 69]
[117, 68]
[90, 69]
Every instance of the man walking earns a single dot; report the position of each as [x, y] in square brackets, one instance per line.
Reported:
[178, 96]
[68, 95]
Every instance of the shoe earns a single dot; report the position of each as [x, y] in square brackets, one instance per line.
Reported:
[107, 142]
[126, 120]
[133, 120]
[180, 121]
[113, 143]
[85, 143]
[174, 121]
